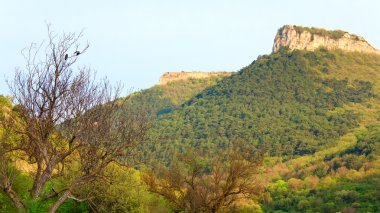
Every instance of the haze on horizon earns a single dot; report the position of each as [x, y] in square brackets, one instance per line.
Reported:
[136, 42]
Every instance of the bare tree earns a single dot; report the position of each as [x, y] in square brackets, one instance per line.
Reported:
[194, 185]
[66, 116]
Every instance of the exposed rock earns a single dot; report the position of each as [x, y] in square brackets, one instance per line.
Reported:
[303, 38]
[176, 76]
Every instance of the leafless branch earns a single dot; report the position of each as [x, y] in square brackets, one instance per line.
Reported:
[64, 115]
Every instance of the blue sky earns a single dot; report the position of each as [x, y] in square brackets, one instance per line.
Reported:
[137, 41]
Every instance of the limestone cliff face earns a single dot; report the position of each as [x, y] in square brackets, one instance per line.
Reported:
[303, 38]
[176, 76]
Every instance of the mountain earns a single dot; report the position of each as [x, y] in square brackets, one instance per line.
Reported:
[293, 101]
[285, 102]
[312, 104]
[298, 100]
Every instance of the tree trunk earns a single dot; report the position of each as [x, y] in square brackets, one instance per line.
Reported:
[59, 202]
[37, 187]
[40, 181]
[14, 197]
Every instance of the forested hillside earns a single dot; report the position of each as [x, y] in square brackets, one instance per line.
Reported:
[284, 102]
[316, 115]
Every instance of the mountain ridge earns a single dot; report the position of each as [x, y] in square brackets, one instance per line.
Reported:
[169, 77]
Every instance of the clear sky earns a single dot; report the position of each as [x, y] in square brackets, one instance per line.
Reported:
[136, 41]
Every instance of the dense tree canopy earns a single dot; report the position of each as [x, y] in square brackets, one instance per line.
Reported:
[280, 102]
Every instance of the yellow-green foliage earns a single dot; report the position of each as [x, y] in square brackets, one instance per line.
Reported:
[124, 192]
[344, 142]
[345, 176]
[161, 99]
[180, 91]
[353, 66]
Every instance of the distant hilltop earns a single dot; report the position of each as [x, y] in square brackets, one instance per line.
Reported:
[304, 38]
[176, 76]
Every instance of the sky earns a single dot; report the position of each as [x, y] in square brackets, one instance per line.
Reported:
[135, 42]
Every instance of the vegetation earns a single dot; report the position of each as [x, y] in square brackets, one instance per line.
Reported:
[341, 164]
[339, 181]
[62, 120]
[162, 99]
[292, 132]
[334, 34]
[280, 102]
[196, 184]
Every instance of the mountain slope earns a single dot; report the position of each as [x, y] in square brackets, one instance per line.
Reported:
[284, 102]
[161, 99]
[315, 113]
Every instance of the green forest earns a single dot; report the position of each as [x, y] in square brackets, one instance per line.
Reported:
[294, 131]
[280, 103]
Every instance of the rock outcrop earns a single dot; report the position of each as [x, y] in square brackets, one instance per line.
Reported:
[176, 76]
[303, 38]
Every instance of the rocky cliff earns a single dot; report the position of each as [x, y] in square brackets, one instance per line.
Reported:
[176, 76]
[304, 38]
